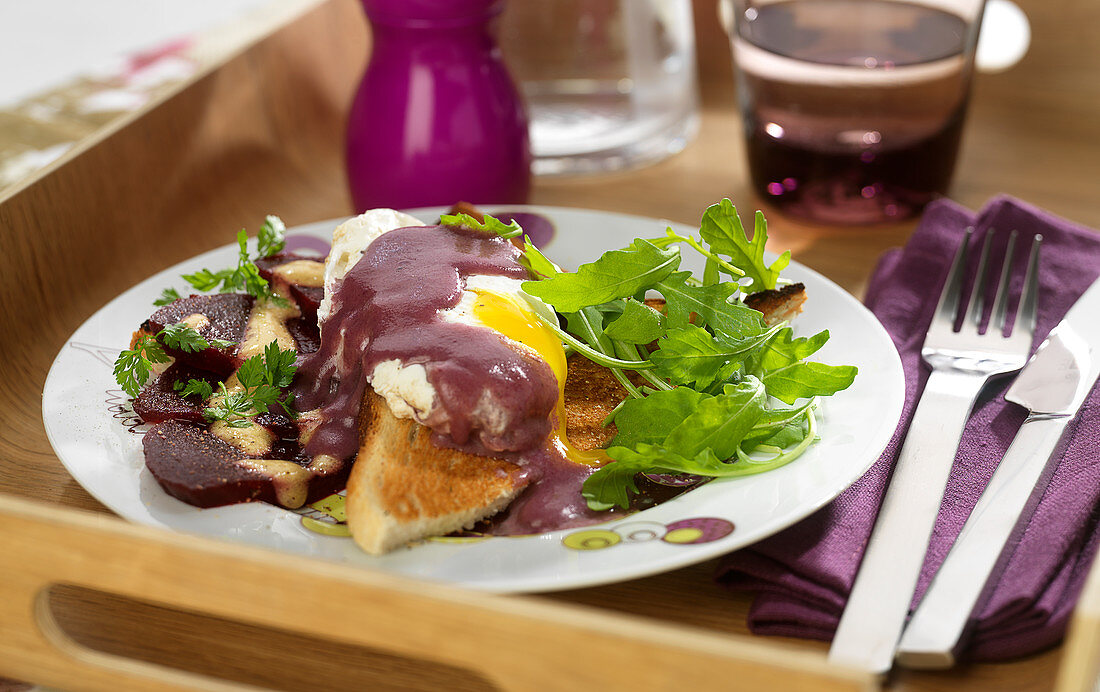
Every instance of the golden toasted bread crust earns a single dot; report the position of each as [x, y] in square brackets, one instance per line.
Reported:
[778, 304]
[591, 393]
[403, 487]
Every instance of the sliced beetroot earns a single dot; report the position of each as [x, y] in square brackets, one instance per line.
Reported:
[227, 314]
[308, 299]
[307, 337]
[160, 401]
[197, 467]
[202, 470]
[278, 423]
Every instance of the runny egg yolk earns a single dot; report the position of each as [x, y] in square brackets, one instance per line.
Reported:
[513, 318]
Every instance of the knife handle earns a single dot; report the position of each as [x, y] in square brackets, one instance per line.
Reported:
[939, 626]
[871, 624]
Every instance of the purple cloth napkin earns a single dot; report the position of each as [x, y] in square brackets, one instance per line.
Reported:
[803, 575]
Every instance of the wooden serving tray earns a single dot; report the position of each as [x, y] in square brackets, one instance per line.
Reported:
[89, 602]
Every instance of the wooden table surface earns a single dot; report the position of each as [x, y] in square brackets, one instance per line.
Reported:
[180, 177]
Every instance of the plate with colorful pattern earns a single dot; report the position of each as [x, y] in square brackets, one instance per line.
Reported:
[98, 438]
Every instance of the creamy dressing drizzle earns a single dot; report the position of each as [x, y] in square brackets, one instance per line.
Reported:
[289, 480]
[267, 323]
[308, 273]
[197, 321]
[253, 439]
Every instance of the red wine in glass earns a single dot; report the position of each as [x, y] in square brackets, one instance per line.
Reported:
[852, 108]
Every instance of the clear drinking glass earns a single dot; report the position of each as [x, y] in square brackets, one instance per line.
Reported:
[853, 109]
[609, 84]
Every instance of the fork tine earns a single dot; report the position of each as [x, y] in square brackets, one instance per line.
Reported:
[997, 317]
[1027, 314]
[948, 304]
[977, 292]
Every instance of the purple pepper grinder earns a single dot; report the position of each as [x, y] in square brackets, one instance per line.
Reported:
[436, 119]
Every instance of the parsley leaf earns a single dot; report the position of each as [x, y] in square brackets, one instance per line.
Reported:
[259, 381]
[199, 388]
[272, 236]
[132, 367]
[167, 297]
[182, 337]
[205, 280]
[246, 276]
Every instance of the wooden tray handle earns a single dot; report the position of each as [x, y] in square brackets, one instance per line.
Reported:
[515, 642]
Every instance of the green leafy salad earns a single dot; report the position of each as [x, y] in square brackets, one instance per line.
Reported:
[722, 393]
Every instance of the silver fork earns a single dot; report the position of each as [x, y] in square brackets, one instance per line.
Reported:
[962, 362]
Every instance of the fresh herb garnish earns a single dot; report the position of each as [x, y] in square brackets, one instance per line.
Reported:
[183, 337]
[706, 407]
[490, 224]
[201, 389]
[722, 231]
[272, 236]
[167, 297]
[260, 380]
[133, 365]
[246, 275]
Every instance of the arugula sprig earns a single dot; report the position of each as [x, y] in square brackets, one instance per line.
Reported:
[246, 275]
[490, 224]
[706, 407]
[713, 368]
[134, 365]
[260, 381]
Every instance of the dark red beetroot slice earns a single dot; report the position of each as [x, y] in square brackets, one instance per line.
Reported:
[228, 316]
[193, 465]
[307, 337]
[159, 400]
[307, 298]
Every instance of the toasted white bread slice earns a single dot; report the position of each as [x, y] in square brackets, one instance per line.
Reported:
[404, 488]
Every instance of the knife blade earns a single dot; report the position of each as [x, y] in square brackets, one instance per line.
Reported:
[1052, 386]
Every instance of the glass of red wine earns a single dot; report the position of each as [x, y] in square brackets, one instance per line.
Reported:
[853, 109]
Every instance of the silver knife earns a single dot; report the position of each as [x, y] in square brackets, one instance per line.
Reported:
[1052, 386]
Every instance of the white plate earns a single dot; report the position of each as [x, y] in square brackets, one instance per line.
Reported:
[97, 437]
